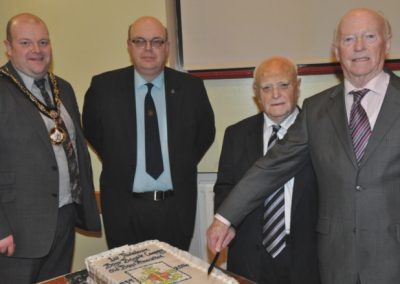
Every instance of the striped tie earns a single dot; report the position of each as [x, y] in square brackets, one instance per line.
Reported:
[274, 213]
[359, 124]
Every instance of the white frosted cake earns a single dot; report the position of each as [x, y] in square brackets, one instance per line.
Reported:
[151, 262]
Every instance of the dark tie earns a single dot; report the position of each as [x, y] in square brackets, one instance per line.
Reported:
[273, 237]
[154, 161]
[359, 124]
[73, 169]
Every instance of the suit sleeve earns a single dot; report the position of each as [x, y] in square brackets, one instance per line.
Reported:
[91, 117]
[205, 122]
[226, 172]
[283, 161]
[5, 229]
[6, 179]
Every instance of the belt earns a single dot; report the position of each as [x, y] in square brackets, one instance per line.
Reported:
[153, 195]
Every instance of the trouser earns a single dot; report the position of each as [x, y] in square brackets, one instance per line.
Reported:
[57, 262]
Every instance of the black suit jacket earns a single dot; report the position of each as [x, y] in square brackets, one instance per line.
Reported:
[29, 178]
[242, 146]
[109, 119]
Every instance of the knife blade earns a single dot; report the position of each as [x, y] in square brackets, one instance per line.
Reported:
[212, 265]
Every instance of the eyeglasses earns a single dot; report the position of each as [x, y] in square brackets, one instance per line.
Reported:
[140, 42]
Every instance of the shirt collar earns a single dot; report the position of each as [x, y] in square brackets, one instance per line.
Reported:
[284, 124]
[376, 85]
[27, 80]
[157, 81]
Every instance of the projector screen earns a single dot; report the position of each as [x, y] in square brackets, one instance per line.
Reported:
[218, 34]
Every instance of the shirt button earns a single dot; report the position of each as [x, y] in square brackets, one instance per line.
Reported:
[359, 188]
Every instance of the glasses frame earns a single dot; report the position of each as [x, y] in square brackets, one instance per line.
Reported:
[141, 42]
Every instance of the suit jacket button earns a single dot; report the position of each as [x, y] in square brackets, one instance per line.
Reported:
[54, 168]
[54, 194]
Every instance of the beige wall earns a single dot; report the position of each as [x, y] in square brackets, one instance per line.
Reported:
[232, 100]
[89, 37]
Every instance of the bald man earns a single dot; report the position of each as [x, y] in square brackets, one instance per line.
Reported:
[351, 135]
[46, 186]
[148, 193]
[276, 89]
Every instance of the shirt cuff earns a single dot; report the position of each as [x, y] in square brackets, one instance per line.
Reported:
[222, 219]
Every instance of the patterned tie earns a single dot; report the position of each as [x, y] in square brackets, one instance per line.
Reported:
[359, 124]
[154, 162]
[274, 213]
[68, 147]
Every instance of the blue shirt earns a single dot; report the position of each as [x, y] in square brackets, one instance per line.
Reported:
[143, 181]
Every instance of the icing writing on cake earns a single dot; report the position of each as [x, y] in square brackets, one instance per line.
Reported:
[130, 259]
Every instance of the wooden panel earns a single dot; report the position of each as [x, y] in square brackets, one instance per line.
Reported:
[303, 69]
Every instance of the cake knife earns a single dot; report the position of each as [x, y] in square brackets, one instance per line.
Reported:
[212, 265]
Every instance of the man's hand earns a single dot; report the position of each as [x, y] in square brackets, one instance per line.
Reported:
[219, 235]
[7, 245]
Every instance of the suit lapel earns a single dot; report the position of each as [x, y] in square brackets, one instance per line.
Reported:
[336, 110]
[29, 110]
[255, 140]
[173, 100]
[68, 102]
[299, 187]
[127, 105]
[388, 114]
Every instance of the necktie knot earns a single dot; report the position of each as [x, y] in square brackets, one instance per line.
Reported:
[149, 87]
[275, 128]
[274, 135]
[359, 94]
[40, 84]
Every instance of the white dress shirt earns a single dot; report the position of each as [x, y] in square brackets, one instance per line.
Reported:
[288, 187]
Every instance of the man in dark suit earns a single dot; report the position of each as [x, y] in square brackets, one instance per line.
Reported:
[276, 89]
[351, 134]
[148, 196]
[46, 186]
